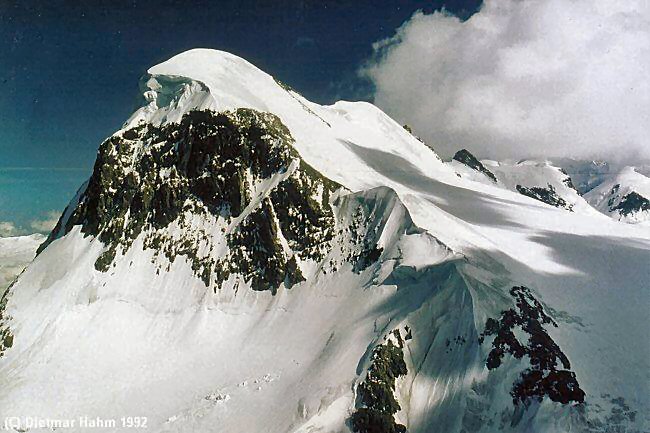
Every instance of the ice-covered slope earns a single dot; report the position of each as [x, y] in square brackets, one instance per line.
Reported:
[15, 253]
[624, 197]
[321, 270]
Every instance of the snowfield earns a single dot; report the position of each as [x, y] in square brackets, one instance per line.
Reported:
[148, 338]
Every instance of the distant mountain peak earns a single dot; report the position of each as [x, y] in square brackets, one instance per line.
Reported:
[465, 157]
[624, 196]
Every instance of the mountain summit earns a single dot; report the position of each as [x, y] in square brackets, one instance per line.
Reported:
[244, 260]
[624, 197]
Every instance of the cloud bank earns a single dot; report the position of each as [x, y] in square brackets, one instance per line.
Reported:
[40, 225]
[7, 229]
[535, 78]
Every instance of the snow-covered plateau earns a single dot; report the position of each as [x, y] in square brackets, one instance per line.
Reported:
[243, 260]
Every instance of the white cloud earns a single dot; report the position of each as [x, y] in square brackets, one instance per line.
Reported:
[538, 78]
[42, 225]
[46, 224]
[9, 229]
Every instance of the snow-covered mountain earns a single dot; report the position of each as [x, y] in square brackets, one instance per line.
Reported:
[244, 260]
[15, 253]
[625, 196]
[539, 180]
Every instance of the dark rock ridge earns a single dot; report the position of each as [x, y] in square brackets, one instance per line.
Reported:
[410, 131]
[549, 373]
[363, 240]
[376, 403]
[613, 195]
[149, 179]
[6, 336]
[546, 195]
[568, 181]
[631, 203]
[465, 157]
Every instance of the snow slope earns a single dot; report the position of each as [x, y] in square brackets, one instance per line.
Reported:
[539, 180]
[416, 250]
[15, 253]
[611, 196]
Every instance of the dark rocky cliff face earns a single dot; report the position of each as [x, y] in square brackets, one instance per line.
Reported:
[546, 195]
[631, 203]
[150, 179]
[376, 402]
[465, 157]
[6, 336]
[568, 181]
[549, 374]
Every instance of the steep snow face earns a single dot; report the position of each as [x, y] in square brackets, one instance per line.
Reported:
[15, 254]
[624, 197]
[415, 297]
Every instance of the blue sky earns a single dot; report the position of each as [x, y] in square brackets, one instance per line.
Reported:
[69, 71]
